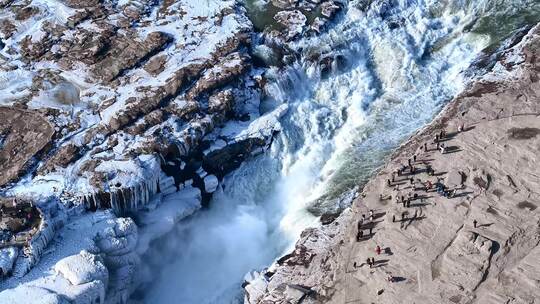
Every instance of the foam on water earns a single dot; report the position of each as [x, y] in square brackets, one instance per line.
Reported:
[403, 61]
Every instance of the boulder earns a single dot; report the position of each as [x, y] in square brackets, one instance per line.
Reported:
[30, 294]
[211, 183]
[120, 240]
[156, 65]
[329, 9]
[293, 21]
[82, 268]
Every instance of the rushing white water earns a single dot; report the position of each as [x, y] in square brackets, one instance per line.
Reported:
[403, 61]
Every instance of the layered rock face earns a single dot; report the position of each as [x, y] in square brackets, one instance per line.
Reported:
[115, 105]
[475, 240]
[99, 88]
[108, 109]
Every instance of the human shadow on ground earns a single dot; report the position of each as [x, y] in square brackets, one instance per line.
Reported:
[378, 215]
[380, 263]
[462, 194]
[408, 222]
[398, 183]
[440, 173]
[485, 225]
[452, 149]
[423, 197]
[420, 204]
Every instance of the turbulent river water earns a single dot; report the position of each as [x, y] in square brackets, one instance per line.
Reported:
[399, 63]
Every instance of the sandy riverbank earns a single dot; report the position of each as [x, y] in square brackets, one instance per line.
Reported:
[439, 256]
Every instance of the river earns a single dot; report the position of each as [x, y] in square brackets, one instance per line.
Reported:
[398, 63]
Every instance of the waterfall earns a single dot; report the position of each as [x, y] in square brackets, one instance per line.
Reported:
[393, 66]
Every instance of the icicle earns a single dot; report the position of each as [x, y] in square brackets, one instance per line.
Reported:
[95, 200]
[113, 200]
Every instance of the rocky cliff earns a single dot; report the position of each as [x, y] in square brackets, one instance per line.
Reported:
[108, 109]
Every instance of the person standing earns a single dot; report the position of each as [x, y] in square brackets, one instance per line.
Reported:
[474, 223]
[359, 235]
[378, 250]
[428, 185]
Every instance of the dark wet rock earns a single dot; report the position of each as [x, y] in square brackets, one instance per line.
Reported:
[325, 206]
[229, 158]
[328, 218]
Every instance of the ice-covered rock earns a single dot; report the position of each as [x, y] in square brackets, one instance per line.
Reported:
[210, 183]
[83, 268]
[294, 21]
[7, 259]
[119, 239]
[255, 288]
[31, 294]
[35, 248]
